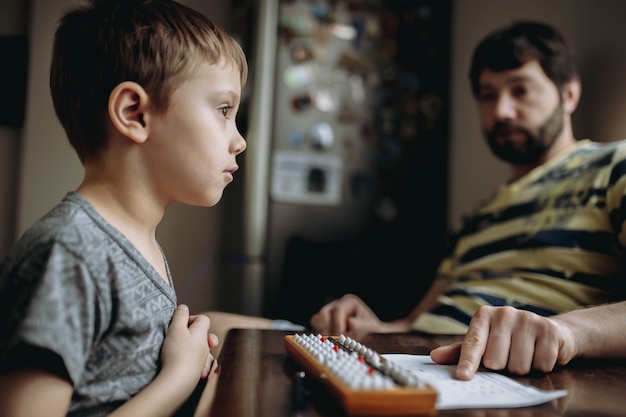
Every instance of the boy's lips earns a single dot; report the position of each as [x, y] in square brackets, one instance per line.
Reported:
[229, 173]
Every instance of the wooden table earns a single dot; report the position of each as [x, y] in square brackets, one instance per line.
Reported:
[255, 379]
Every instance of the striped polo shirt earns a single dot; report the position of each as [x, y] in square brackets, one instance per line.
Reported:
[549, 242]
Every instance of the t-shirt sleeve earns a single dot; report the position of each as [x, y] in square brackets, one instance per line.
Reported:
[52, 306]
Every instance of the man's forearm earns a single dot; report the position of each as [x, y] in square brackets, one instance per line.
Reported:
[429, 299]
[599, 331]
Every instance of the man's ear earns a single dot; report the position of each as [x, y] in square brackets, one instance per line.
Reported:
[571, 95]
[128, 110]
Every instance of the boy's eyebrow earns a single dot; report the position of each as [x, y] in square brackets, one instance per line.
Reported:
[228, 93]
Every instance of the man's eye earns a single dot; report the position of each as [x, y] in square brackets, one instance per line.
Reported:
[520, 92]
[486, 97]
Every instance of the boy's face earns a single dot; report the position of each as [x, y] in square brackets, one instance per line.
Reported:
[195, 141]
[521, 112]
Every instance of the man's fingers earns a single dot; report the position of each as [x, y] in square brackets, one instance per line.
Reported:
[547, 346]
[474, 345]
[448, 354]
[336, 321]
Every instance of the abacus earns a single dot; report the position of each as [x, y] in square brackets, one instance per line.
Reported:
[361, 380]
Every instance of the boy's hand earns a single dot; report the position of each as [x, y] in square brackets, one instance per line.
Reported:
[185, 349]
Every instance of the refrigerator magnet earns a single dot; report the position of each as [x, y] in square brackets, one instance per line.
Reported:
[306, 178]
[299, 75]
[321, 136]
[301, 102]
[301, 53]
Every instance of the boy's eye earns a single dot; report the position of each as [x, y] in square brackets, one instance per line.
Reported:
[225, 110]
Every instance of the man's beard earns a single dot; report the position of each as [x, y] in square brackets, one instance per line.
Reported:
[533, 147]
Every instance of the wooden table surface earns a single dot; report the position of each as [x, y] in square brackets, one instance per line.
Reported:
[256, 378]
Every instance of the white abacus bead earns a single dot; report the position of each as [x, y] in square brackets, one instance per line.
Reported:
[402, 378]
[374, 360]
[378, 384]
[367, 383]
[322, 358]
[386, 383]
[394, 373]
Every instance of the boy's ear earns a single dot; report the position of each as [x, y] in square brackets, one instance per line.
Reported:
[128, 110]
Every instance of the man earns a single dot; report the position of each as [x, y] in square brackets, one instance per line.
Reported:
[548, 242]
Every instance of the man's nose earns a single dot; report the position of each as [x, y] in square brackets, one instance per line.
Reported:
[505, 107]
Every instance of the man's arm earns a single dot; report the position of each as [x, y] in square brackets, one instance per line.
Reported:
[598, 332]
[428, 301]
[352, 316]
[518, 340]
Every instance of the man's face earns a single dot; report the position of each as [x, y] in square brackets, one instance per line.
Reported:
[521, 113]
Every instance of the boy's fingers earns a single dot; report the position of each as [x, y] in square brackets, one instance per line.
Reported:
[181, 315]
[208, 365]
[213, 340]
[200, 322]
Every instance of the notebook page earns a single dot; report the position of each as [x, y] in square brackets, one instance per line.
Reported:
[485, 390]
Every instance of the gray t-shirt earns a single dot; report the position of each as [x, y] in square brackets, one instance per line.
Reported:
[76, 287]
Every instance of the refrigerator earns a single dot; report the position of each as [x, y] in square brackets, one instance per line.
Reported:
[342, 188]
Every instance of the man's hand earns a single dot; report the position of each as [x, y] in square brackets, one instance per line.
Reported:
[508, 338]
[347, 315]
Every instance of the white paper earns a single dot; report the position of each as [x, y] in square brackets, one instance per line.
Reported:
[484, 390]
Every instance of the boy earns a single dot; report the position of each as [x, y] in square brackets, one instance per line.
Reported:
[147, 92]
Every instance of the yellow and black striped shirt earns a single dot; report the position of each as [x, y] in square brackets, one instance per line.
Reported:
[552, 241]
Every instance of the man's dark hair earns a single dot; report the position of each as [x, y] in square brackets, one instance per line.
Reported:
[513, 46]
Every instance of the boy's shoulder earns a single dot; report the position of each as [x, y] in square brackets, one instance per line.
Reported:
[72, 223]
